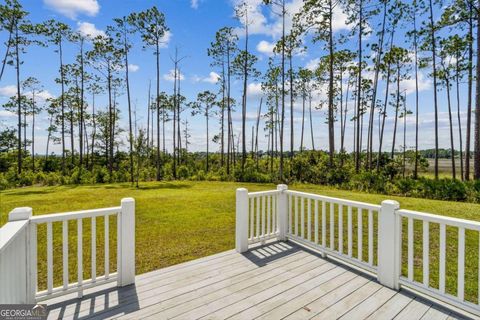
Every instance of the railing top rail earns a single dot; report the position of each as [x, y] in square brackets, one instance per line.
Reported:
[75, 215]
[9, 231]
[456, 222]
[263, 193]
[357, 204]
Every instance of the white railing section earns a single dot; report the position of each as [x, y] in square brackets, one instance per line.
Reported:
[261, 221]
[14, 238]
[334, 226]
[430, 243]
[369, 237]
[19, 252]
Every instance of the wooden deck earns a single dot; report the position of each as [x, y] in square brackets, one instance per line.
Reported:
[275, 281]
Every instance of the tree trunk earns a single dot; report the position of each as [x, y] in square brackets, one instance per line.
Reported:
[359, 89]
[206, 118]
[80, 129]
[244, 98]
[222, 120]
[33, 130]
[148, 118]
[175, 97]
[94, 132]
[432, 26]
[384, 115]
[110, 115]
[404, 135]
[292, 94]
[229, 113]
[19, 102]
[396, 112]
[157, 103]
[457, 80]
[303, 121]
[282, 120]
[130, 132]
[62, 102]
[331, 119]
[454, 176]
[311, 120]
[375, 85]
[256, 133]
[415, 170]
[470, 89]
[9, 41]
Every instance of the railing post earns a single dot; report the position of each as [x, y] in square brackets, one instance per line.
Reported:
[282, 208]
[389, 244]
[241, 220]
[126, 260]
[27, 283]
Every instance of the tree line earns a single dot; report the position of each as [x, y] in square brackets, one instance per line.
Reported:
[358, 79]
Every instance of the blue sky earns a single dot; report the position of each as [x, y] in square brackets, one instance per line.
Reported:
[192, 27]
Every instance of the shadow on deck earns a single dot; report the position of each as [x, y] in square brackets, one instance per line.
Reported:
[274, 281]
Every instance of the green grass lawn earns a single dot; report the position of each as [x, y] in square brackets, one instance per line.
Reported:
[181, 221]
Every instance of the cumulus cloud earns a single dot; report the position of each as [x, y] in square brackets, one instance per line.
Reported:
[170, 76]
[424, 83]
[166, 39]
[89, 30]
[265, 47]
[133, 67]
[72, 8]
[5, 113]
[42, 95]
[272, 24]
[312, 64]
[254, 89]
[11, 91]
[213, 78]
[8, 91]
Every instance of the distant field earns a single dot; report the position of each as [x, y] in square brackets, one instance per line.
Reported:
[181, 221]
[444, 168]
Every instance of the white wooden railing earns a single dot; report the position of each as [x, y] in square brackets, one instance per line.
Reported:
[367, 236]
[19, 252]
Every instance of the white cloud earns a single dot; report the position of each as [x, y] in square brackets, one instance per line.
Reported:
[313, 64]
[254, 89]
[194, 4]
[213, 78]
[5, 113]
[8, 91]
[424, 83]
[11, 91]
[89, 30]
[170, 76]
[166, 39]
[133, 67]
[272, 24]
[72, 8]
[43, 95]
[265, 47]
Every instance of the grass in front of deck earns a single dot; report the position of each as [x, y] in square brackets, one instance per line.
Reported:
[181, 221]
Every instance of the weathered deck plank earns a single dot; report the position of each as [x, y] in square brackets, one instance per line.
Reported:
[275, 281]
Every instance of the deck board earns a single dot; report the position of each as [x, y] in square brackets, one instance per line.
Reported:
[275, 281]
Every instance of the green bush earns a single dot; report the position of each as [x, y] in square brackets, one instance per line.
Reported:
[183, 172]
[52, 179]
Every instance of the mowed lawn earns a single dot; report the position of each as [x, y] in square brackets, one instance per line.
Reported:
[181, 221]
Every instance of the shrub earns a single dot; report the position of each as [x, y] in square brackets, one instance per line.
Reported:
[52, 179]
[183, 172]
